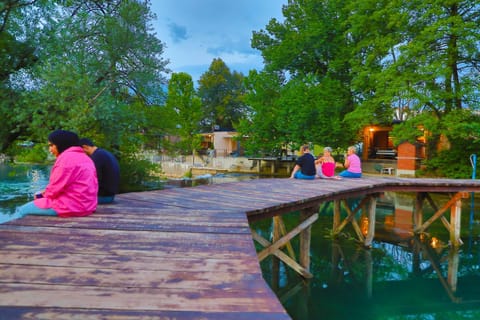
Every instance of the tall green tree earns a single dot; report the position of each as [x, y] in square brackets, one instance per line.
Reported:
[309, 49]
[414, 56]
[185, 108]
[375, 29]
[222, 93]
[97, 62]
[375, 62]
[444, 48]
[259, 126]
[98, 70]
[19, 30]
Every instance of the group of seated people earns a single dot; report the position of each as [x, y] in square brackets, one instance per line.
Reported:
[307, 167]
[81, 177]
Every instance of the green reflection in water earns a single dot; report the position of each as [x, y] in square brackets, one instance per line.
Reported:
[400, 277]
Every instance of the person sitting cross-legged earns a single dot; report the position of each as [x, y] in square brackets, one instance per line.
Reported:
[305, 165]
[326, 164]
[352, 164]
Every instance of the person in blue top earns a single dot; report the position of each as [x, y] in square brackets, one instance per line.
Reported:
[108, 170]
[305, 165]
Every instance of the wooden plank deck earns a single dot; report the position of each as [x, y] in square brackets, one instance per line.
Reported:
[170, 254]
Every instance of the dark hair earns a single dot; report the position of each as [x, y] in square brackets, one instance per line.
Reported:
[63, 139]
[86, 142]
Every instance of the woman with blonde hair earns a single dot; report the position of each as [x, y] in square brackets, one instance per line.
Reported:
[352, 164]
[325, 164]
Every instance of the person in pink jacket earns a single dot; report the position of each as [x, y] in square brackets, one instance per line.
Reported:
[73, 185]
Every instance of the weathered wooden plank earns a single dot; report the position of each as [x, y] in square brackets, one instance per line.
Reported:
[134, 298]
[41, 313]
[128, 223]
[124, 277]
[166, 261]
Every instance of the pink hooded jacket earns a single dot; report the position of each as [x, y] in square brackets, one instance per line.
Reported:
[73, 186]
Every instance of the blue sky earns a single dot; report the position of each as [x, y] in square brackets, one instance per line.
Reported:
[197, 31]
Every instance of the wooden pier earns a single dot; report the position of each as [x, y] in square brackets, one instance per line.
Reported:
[184, 253]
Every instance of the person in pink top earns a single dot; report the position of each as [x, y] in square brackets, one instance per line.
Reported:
[352, 164]
[73, 186]
[326, 164]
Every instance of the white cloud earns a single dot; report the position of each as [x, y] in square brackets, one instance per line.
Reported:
[197, 31]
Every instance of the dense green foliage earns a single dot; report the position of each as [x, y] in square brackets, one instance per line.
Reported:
[352, 63]
[331, 68]
[184, 110]
[221, 92]
[93, 67]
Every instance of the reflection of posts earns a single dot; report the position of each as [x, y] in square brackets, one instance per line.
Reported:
[453, 259]
[336, 274]
[305, 238]
[449, 284]
[368, 273]
[338, 271]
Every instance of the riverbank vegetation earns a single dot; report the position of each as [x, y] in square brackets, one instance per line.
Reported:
[331, 68]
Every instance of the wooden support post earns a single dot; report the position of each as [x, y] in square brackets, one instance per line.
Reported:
[305, 238]
[336, 214]
[282, 256]
[272, 168]
[349, 219]
[418, 212]
[440, 212]
[444, 220]
[276, 234]
[279, 242]
[455, 223]
[371, 221]
[338, 226]
[283, 231]
[352, 220]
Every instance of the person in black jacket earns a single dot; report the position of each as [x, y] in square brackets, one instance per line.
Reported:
[305, 165]
[108, 170]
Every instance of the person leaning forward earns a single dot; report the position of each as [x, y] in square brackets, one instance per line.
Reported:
[305, 165]
[108, 170]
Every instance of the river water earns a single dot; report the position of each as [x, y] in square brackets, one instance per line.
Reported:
[398, 278]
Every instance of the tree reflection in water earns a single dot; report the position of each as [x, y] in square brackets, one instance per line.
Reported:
[400, 277]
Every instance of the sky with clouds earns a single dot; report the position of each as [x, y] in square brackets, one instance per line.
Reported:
[197, 31]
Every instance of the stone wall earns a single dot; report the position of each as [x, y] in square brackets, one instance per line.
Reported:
[172, 168]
